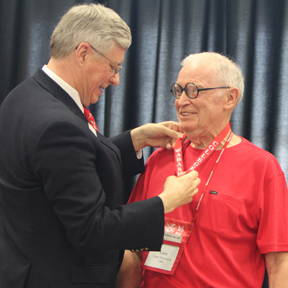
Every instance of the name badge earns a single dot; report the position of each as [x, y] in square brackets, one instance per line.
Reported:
[175, 237]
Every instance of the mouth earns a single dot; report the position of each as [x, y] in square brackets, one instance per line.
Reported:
[101, 89]
[184, 114]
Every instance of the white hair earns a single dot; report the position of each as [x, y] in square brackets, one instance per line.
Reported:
[229, 72]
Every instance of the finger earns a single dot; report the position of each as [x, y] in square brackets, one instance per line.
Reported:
[173, 143]
[172, 133]
[194, 174]
[173, 125]
[168, 146]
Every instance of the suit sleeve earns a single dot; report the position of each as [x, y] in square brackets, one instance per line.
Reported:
[64, 161]
[130, 164]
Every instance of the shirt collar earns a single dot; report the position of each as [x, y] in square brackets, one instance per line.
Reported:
[73, 93]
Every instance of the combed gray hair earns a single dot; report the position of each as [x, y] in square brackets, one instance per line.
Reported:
[93, 23]
[229, 72]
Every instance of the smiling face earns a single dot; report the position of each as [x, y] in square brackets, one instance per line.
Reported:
[97, 73]
[202, 117]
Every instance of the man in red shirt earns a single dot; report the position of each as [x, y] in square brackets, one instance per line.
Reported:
[238, 222]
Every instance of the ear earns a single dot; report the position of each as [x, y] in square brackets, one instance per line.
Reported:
[232, 98]
[81, 54]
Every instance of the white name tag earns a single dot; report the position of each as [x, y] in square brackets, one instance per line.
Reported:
[176, 235]
[164, 259]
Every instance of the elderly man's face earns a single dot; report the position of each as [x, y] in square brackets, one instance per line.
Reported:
[202, 116]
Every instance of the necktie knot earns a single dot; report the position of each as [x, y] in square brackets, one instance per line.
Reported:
[90, 118]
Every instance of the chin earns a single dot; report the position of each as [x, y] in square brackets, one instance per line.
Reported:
[188, 125]
[184, 127]
[94, 99]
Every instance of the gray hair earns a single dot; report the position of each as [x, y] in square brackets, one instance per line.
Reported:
[229, 72]
[93, 23]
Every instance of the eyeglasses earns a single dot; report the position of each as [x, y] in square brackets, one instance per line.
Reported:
[191, 90]
[114, 66]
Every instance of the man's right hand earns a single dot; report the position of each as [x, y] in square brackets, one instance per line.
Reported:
[179, 190]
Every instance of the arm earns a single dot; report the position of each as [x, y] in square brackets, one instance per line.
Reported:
[130, 273]
[79, 201]
[177, 191]
[163, 135]
[130, 164]
[277, 268]
[64, 149]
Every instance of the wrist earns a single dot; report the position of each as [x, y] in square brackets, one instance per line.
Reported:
[166, 204]
[138, 138]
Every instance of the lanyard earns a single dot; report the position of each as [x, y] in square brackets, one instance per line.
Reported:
[178, 156]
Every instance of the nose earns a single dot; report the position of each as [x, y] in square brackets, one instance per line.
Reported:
[115, 79]
[184, 99]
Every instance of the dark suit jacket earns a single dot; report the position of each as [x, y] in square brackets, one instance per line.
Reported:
[60, 191]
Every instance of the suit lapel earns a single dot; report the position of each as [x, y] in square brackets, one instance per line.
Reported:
[48, 84]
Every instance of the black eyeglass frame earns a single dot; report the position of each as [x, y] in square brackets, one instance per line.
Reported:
[114, 66]
[198, 90]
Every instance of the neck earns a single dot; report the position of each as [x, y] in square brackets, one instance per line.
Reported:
[235, 140]
[63, 69]
[220, 134]
[202, 140]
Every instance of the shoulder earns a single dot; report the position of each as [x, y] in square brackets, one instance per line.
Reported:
[161, 154]
[161, 162]
[256, 150]
[258, 158]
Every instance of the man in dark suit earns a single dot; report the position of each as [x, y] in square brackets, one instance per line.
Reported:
[60, 180]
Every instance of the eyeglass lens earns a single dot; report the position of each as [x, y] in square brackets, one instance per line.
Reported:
[190, 90]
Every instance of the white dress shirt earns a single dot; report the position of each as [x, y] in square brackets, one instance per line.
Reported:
[73, 93]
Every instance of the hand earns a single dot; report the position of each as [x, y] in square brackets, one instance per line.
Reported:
[130, 273]
[179, 190]
[163, 135]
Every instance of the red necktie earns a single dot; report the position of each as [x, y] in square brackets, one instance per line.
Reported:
[90, 118]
